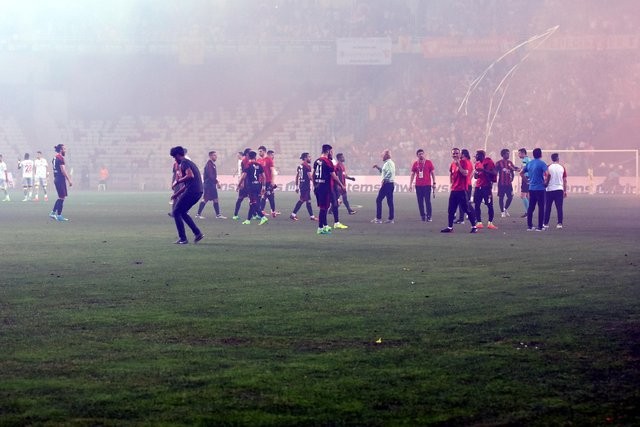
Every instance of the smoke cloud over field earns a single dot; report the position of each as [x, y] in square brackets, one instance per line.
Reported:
[120, 82]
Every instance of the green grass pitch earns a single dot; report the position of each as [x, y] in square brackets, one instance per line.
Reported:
[104, 321]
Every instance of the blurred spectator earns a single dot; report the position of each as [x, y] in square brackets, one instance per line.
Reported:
[104, 177]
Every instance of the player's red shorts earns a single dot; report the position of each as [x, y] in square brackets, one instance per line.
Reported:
[323, 196]
[254, 193]
[305, 194]
[61, 187]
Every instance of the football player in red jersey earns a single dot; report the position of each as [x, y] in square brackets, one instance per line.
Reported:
[303, 187]
[60, 179]
[266, 160]
[458, 175]
[484, 172]
[505, 170]
[341, 172]
[464, 154]
[242, 192]
[324, 179]
[211, 186]
[252, 181]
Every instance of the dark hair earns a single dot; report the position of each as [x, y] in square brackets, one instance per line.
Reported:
[262, 147]
[537, 153]
[465, 153]
[326, 148]
[523, 151]
[339, 155]
[212, 152]
[303, 155]
[271, 152]
[58, 148]
[252, 155]
[38, 152]
[504, 151]
[246, 151]
[480, 155]
[177, 151]
[555, 157]
[26, 156]
[420, 150]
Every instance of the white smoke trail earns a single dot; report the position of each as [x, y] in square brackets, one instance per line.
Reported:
[536, 41]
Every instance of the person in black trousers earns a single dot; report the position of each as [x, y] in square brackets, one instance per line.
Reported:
[189, 191]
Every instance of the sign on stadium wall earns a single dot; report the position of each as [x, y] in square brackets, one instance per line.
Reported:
[371, 184]
[364, 51]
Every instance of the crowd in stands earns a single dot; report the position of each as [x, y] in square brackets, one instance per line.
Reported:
[591, 16]
[557, 103]
[265, 21]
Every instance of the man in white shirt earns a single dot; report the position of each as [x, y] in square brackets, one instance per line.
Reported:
[556, 181]
[41, 176]
[238, 170]
[388, 175]
[4, 180]
[27, 176]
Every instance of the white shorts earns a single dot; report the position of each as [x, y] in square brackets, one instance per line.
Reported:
[27, 182]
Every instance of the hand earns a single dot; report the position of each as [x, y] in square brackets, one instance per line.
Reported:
[70, 184]
[351, 178]
[564, 196]
[411, 188]
[219, 186]
[375, 167]
[297, 190]
[173, 197]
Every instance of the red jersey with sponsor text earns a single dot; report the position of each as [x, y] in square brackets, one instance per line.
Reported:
[267, 164]
[505, 170]
[322, 169]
